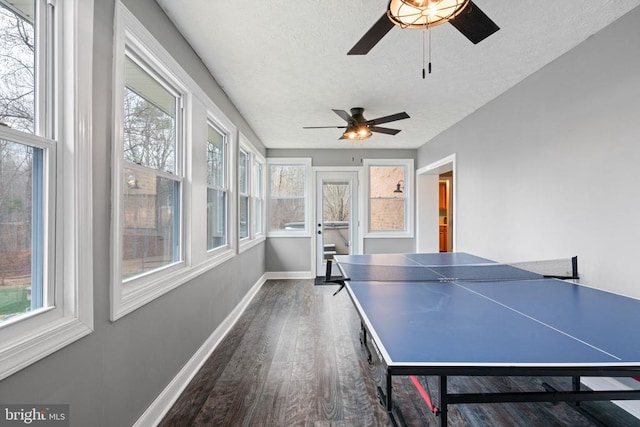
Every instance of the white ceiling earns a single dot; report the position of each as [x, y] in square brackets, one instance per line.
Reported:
[283, 63]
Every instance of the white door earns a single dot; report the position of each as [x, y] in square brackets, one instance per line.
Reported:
[336, 216]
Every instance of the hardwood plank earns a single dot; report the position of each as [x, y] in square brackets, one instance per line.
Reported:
[294, 358]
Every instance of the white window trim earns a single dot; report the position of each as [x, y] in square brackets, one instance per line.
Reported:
[260, 236]
[306, 162]
[253, 238]
[130, 35]
[216, 118]
[29, 339]
[409, 181]
[198, 106]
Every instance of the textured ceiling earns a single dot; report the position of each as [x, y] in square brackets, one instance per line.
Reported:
[284, 63]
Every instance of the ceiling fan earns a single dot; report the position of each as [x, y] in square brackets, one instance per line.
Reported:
[464, 15]
[359, 128]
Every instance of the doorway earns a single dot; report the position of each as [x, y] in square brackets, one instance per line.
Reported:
[336, 216]
[435, 201]
[445, 207]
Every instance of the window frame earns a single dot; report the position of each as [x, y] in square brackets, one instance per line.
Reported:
[225, 187]
[132, 40]
[408, 165]
[65, 134]
[199, 109]
[308, 202]
[213, 116]
[254, 157]
[244, 193]
[258, 195]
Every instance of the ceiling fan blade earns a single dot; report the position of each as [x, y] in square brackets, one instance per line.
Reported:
[373, 36]
[384, 130]
[345, 116]
[387, 119]
[324, 127]
[474, 24]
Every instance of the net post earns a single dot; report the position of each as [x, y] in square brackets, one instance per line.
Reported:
[574, 267]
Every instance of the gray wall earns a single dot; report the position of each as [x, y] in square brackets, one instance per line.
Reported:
[111, 376]
[550, 168]
[293, 254]
[343, 157]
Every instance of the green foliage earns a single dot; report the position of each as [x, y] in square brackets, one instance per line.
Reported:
[13, 300]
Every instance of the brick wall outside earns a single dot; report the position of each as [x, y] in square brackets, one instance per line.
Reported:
[386, 208]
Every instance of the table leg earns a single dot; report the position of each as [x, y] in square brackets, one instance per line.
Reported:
[576, 387]
[443, 401]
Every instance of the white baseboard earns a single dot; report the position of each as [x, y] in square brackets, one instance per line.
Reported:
[161, 405]
[282, 275]
[602, 383]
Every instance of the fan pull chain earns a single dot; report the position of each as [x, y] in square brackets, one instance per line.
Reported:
[423, 37]
[423, 51]
[429, 50]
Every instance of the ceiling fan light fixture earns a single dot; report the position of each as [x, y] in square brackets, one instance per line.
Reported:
[356, 132]
[422, 14]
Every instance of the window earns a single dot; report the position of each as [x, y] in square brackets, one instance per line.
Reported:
[44, 306]
[288, 197]
[250, 194]
[149, 173]
[217, 188]
[243, 192]
[151, 190]
[257, 196]
[390, 188]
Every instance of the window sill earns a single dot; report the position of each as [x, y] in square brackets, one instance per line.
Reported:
[44, 340]
[247, 243]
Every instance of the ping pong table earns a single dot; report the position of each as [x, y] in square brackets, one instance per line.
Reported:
[448, 314]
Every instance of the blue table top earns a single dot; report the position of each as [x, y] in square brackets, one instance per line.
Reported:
[516, 323]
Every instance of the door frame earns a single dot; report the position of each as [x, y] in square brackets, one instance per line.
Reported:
[427, 190]
[356, 242]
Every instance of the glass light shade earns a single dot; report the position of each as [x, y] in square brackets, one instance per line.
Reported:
[424, 13]
[357, 132]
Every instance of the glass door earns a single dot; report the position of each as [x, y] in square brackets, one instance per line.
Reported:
[336, 216]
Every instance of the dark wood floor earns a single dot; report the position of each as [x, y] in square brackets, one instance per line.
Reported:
[294, 358]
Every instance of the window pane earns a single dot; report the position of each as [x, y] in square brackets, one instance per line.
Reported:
[17, 66]
[243, 171]
[216, 218]
[257, 217]
[386, 206]
[149, 121]
[244, 216]
[258, 189]
[287, 180]
[21, 233]
[215, 158]
[151, 222]
[287, 197]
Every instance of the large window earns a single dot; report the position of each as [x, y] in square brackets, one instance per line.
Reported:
[44, 306]
[244, 178]
[250, 194]
[151, 173]
[288, 196]
[257, 196]
[149, 157]
[389, 185]
[175, 153]
[217, 188]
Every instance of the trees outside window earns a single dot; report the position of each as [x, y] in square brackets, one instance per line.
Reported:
[151, 190]
[288, 206]
[21, 168]
[217, 189]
